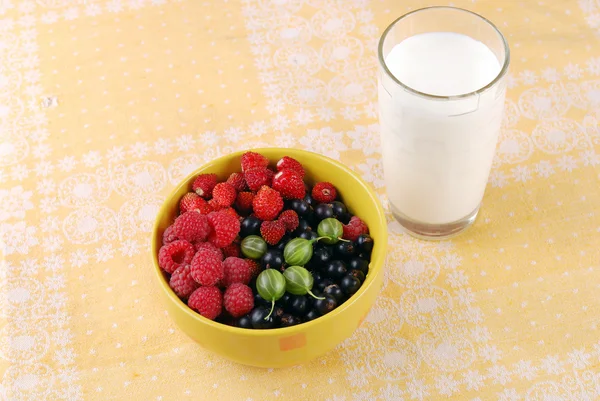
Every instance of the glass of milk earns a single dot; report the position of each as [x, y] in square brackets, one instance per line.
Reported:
[441, 98]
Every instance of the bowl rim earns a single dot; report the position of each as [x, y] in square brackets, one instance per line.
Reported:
[382, 249]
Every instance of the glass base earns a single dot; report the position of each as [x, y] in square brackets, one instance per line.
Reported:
[427, 231]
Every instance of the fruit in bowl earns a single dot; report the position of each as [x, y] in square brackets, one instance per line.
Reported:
[270, 257]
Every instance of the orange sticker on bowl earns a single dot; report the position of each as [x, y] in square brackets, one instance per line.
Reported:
[292, 342]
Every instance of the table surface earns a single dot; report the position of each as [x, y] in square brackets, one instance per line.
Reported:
[106, 105]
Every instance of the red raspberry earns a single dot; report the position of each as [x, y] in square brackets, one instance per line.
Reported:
[289, 184]
[236, 270]
[224, 194]
[182, 282]
[243, 202]
[191, 226]
[272, 231]
[324, 192]
[357, 222]
[203, 185]
[225, 228]
[206, 268]
[290, 219]
[252, 160]
[232, 250]
[238, 299]
[231, 211]
[287, 163]
[237, 181]
[215, 205]
[254, 266]
[267, 204]
[351, 232]
[168, 236]
[258, 177]
[175, 254]
[210, 247]
[192, 201]
[207, 301]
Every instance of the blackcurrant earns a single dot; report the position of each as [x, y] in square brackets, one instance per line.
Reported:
[338, 208]
[312, 315]
[323, 211]
[336, 269]
[344, 249]
[300, 206]
[308, 235]
[258, 300]
[303, 225]
[350, 284]
[359, 264]
[283, 242]
[322, 284]
[288, 320]
[277, 313]
[358, 274]
[284, 300]
[335, 291]
[344, 218]
[272, 259]
[258, 316]
[364, 243]
[244, 322]
[310, 200]
[325, 305]
[250, 226]
[321, 256]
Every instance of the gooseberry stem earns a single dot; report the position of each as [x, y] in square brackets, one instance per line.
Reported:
[313, 295]
[343, 240]
[271, 311]
[319, 238]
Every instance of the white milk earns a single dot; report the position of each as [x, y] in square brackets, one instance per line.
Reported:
[437, 154]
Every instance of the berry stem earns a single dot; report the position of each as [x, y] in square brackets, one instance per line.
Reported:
[317, 239]
[313, 295]
[343, 240]
[271, 311]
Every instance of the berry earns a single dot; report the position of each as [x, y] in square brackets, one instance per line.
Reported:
[322, 284]
[356, 221]
[272, 259]
[203, 185]
[253, 246]
[310, 200]
[301, 207]
[250, 226]
[288, 163]
[267, 204]
[258, 177]
[209, 246]
[232, 249]
[207, 301]
[192, 201]
[335, 291]
[358, 274]
[244, 322]
[338, 208]
[206, 268]
[323, 211]
[287, 320]
[243, 201]
[237, 181]
[236, 270]
[231, 211]
[182, 283]
[309, 235]
[260, 320]
[324, 192]
[336, 269]
[289, 184]
[290, 219]
[312, 315]
[258, 300]
[350, 284]
[252, 160]
[344, 249]
[298, 305]
[351, 232]
[168, 236]
[364, 242]
[215, 205]
[326, 305]
[224, 194]
[254, 267]
[359, 264]
[283, 242]
[225, 228]
[321, 256]
[272, 231]
[303, 225]
[191, 226]
[172, 256]
[238, 299]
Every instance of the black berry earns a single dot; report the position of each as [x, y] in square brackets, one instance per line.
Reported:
[312, 315]
[338, 208]
[272, 259]
[322, 284]
[358, 274]
[303, 225]
[335, 291]
[336, 269]
[250, 226]
[364, 242]
[289, 320]
[323, 211]
[283, 242]
[310, 200]
[308, 235]
[298, 305]
[278, 312]
[321, 256]
[244, 322]
[359, 264]
[325, 305]
[258, 316]
[350, 284]
[284, 300]
[258, 300]
[300, 206]
[344, 249]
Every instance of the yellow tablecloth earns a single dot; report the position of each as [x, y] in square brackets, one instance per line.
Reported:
[107, 104]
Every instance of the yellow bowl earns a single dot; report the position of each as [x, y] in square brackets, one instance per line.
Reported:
[291, 345]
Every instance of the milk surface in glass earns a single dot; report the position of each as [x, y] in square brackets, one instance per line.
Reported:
[437, 154]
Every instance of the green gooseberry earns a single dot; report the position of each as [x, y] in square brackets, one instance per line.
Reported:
[299, 281]
[253, 247]
[270, 285]
[331, 230]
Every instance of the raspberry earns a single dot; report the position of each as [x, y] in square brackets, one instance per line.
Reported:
[324, 192]
[215, 205]
[254, 267]
[290, 219]
[287, 163]
[210, 247]
[232, 250]
[238, 300]
[267, 203]
[236, 270]
[168, 236]
[237, 181]
[206, 267]
[204, 184]
[289, 184]
[252, 160]
[192, 201]
[175, 254]
[225, 228]
[357, 222]
[224, 194]
[191, 226]
[272, 231]
[231, 211]
[258, 177]
[243, 202]
[182, 282]
[207, 301]
[351, 231]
